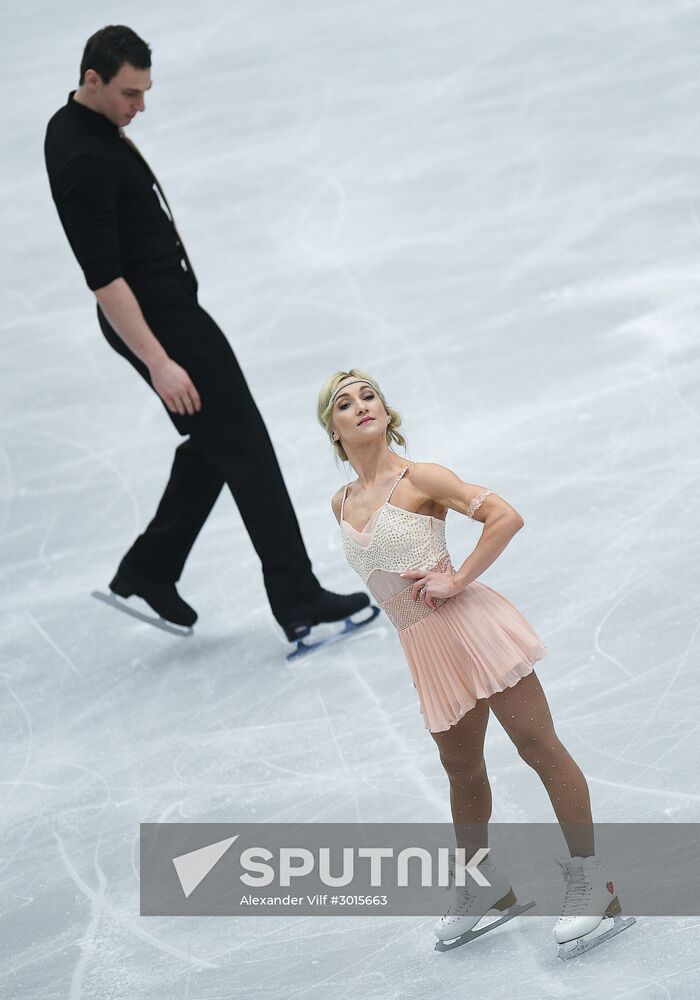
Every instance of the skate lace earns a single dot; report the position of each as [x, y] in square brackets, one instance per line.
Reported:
[578, 888]
[463, 894]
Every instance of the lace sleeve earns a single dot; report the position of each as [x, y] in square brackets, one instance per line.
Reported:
[477, 502]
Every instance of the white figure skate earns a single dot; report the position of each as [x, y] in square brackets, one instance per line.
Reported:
[591, 909]
[476, 909]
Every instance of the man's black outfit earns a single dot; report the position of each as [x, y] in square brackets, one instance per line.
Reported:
[118, 225]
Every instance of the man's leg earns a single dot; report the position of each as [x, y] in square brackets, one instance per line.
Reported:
[248, 464]
[192, 490]
[160, 553]
[231, 434]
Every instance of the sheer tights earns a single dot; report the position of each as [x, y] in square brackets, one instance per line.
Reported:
[524, 713]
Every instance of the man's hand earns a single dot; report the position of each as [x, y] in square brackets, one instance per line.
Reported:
[171, 382]
[174, 386]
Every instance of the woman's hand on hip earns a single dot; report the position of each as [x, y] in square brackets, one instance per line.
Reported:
[431, 585]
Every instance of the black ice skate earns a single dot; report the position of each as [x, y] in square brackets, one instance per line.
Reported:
[326, 607]
[173, 614]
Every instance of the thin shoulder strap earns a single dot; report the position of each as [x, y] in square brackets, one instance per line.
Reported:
[342, 502]
[398, 480]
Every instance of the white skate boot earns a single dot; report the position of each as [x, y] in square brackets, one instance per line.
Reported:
[591, 910]
[476, 909]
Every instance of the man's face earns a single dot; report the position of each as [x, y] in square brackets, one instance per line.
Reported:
[123, 97]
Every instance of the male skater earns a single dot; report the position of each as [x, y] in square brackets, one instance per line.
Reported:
[119, 226]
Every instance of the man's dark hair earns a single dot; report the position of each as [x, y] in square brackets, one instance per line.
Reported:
[109, 48]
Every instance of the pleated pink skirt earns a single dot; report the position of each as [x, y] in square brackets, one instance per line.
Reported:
[470, 647]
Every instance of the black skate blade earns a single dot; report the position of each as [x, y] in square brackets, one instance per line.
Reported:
[304, 648]
[162, 623]
[572, 949]
[513, 911]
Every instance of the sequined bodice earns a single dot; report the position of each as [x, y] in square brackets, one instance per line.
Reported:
[395, 540]
[399, 540]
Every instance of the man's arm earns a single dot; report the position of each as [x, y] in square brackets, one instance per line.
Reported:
[87, 190]
[170, 380]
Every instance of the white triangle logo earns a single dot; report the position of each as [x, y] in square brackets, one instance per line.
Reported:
[191, 868]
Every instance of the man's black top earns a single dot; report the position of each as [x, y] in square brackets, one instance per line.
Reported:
[106, 197]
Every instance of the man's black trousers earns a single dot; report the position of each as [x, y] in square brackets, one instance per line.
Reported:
[227, 443]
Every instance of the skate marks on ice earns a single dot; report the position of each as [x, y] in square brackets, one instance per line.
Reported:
[430, 267]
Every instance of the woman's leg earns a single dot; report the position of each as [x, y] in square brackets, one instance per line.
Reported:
[524, 713]
[462, 755]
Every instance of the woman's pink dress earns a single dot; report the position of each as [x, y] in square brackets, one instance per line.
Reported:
[472, 645]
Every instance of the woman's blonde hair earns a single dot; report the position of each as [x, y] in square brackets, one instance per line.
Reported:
[324, 409]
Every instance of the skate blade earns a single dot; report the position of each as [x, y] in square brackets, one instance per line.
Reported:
[304, 648]
[162, 623]
[513, 911]
[608, 927]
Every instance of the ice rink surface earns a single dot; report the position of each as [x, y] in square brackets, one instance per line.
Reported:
[494, 210]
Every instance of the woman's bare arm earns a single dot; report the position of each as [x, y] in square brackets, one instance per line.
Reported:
[501, 520]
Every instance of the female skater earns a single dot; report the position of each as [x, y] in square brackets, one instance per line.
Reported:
[469, 650]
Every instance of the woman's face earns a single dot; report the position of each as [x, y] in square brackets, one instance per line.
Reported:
[358, 413]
